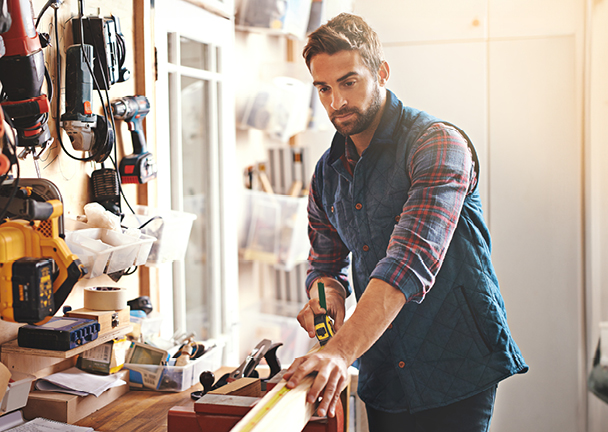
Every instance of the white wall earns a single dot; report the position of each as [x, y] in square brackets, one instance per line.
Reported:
[596, 180]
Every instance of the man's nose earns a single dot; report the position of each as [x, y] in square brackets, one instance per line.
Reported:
[338, 101]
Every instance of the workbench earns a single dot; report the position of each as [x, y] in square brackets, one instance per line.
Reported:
[138, 411]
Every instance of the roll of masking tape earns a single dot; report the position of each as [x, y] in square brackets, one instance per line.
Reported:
[105, 298]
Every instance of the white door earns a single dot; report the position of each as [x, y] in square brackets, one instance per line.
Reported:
[195, 121]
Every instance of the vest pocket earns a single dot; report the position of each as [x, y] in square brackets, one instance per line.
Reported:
[473, 321]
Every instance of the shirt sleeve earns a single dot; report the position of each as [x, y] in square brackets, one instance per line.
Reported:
[440, 167]
[329, 256]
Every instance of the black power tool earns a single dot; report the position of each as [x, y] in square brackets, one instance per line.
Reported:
[140, 166]
[87, 131]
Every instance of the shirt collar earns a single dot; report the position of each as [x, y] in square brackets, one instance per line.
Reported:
[384, 132]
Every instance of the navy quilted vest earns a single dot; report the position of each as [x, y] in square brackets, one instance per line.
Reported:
[455, 343]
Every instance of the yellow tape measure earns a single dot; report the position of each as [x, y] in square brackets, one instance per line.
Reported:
[261, 413]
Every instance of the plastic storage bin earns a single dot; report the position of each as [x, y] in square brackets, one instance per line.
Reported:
[288, 16]
[276, 229]
[170, 228]
[147, 327]
[104, 251]
[17, 392]
[174, 378]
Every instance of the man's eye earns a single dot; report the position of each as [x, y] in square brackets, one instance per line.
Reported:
[349, 83]
[323, 89]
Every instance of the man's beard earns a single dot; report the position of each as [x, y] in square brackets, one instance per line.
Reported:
[362, 119]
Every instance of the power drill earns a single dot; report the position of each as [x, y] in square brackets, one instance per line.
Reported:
[87, 131]
[138, 167]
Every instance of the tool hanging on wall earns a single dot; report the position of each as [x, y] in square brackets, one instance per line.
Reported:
[38, 270]
[138, 167]
[7, 148]
[106, 189]
[87, 131]
[22, 73]
[104, 34]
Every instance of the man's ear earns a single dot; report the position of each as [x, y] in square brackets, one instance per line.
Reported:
[383, 73]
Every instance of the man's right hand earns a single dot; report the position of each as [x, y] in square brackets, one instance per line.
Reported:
[335, 296]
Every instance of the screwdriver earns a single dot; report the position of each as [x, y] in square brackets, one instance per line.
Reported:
[324, 324]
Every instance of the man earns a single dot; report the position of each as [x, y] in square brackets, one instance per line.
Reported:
[399, 190]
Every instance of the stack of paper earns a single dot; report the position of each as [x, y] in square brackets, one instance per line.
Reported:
[44, 425]
[77, 382]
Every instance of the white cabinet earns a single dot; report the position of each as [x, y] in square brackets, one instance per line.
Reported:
[398, 21]
[535, 207]
[525, 18]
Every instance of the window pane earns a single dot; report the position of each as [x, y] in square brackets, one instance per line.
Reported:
[171, 47]
[218, 59]
[194, 54]
[195, 159]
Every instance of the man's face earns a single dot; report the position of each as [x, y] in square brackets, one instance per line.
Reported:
[348, 90]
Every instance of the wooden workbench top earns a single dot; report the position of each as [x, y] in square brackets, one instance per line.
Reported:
[138, 411]
[142, 410]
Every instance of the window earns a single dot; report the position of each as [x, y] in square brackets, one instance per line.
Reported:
[195, 118]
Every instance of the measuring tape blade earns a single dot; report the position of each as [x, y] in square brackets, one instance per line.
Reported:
[248, 424]
[257, 418]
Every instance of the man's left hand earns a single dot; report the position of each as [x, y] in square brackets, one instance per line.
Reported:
[331, 369]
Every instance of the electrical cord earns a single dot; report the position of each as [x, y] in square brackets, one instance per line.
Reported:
[105, 82]
[105, 104]
[122, 193]
[45, 7]
[94, 156]
[13, 146]
[150, 220]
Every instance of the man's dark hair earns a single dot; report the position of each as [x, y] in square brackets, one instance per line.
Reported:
[346, 32]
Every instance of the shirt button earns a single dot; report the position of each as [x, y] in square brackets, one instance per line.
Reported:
[359, 206]
[401, 364]
[365, 248]
[397, 218]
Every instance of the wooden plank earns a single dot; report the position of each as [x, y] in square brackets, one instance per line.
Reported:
[12, 347]
[280, 410]
[35, 365]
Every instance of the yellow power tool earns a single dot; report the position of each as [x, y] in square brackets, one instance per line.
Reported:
[37, 269]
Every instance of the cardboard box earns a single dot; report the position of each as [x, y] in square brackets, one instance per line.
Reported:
[17, 392]
[68, 408]
[106, 359]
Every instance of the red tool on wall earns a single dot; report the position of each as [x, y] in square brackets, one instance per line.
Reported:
[22, 73]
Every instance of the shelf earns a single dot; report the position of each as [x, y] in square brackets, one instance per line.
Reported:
[13, 347]
[266, 31]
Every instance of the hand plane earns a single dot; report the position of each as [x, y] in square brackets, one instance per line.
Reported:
[265, 349]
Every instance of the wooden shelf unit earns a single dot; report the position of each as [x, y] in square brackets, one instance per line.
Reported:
[40, 363]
